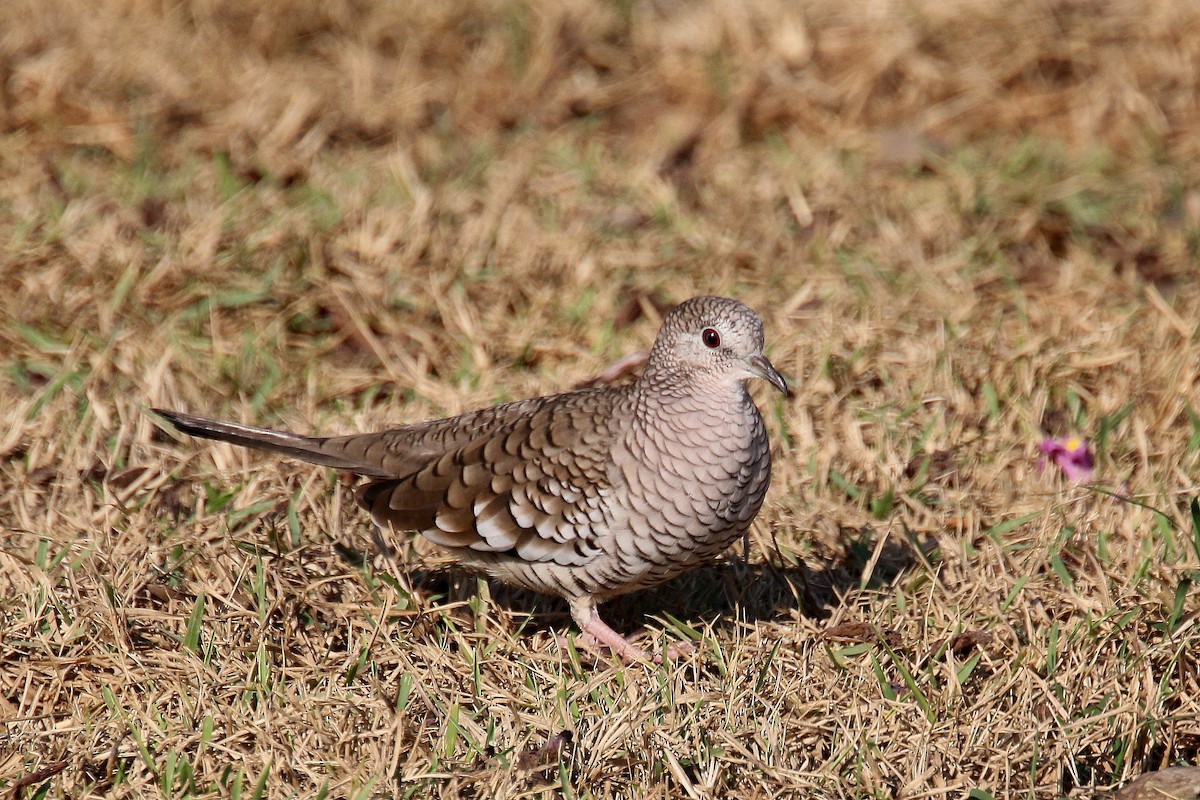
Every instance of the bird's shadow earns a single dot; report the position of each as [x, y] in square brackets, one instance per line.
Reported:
[719, 596]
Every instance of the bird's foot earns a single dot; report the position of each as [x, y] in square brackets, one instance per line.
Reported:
[602, 640]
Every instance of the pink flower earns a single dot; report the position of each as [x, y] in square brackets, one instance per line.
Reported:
[1072, 456]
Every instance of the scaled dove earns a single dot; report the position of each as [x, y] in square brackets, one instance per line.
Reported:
[587, 495]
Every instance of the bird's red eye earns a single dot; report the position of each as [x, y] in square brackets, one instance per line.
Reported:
[711, 338]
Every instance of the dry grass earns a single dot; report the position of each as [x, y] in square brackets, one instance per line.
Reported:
[965, 224]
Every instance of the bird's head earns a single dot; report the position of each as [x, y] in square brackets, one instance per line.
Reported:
[713, 340]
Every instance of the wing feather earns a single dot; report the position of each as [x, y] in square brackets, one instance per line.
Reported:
[530, 487]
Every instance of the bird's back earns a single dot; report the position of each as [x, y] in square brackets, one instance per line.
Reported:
[399, 451]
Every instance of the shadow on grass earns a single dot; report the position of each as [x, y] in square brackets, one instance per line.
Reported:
[722, 594]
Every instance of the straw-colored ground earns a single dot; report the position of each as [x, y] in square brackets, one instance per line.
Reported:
[966, 224]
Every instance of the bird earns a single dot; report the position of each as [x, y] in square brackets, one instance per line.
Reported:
[587, 495]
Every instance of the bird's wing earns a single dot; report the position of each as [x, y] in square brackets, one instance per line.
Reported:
[532, 487]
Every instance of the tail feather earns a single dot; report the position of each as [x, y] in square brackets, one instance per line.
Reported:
[312, 449]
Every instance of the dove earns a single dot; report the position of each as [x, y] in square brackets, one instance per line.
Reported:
[587, 495]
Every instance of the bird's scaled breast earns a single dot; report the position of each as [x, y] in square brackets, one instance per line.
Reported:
[738, 476]
[697, 473]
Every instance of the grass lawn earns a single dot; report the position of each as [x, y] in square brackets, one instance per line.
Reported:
[969, 227]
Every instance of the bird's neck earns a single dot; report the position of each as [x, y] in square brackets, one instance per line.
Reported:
[668, 387]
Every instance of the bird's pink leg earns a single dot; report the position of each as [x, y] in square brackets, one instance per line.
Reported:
[598, 635]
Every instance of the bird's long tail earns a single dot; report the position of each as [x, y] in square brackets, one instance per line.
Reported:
[313, 449]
